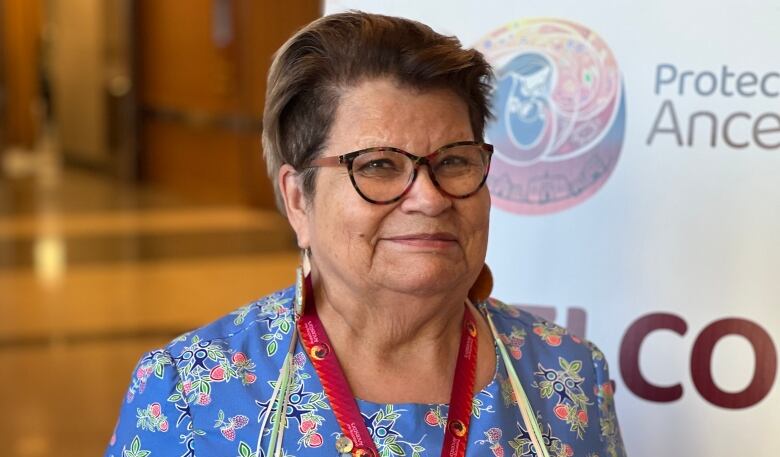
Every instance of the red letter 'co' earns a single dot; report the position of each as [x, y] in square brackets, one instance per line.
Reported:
[701, 360]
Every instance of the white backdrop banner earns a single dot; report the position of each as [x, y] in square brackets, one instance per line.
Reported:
[636, 198]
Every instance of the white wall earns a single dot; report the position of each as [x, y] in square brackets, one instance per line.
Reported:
[687, 230]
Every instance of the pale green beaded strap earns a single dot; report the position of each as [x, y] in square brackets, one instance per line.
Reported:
[526, 411]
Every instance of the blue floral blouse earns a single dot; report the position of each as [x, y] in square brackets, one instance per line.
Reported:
[205, 393]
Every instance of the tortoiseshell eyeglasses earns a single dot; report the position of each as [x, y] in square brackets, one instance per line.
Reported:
[382, 175]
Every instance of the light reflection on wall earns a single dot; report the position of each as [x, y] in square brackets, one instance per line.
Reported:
[50, 258]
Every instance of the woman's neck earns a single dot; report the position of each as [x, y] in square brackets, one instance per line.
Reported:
[396, 348]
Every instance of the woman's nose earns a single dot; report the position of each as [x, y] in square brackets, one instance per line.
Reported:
[425, 196]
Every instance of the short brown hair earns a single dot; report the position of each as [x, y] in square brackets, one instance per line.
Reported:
[330, 55]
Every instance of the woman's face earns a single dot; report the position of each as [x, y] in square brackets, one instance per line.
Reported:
[426, 242]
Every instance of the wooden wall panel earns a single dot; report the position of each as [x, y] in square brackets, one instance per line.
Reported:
[202, 163]
[258, 43]
[209, 93]
[181, 65]
[21, 28]
[78, 72]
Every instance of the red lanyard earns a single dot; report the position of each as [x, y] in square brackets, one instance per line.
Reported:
[358, 440]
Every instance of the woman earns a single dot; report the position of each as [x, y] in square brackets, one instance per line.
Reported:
[388, 345]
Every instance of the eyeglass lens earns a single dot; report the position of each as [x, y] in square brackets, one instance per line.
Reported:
[383, 175]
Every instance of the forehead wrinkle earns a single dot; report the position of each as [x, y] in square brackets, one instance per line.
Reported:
[406, 136]
[361, 125]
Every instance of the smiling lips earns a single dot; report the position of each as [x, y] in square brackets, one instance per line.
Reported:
[438, 240]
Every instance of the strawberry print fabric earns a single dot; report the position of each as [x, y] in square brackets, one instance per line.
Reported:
[206, 393]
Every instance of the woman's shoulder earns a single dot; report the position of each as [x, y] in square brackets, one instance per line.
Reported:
[567, 376]
[209, 375]
[268, 318]
[519, 329]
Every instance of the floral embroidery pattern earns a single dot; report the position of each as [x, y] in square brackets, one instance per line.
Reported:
[303, 405]
[514, 342]
[310, 437]
[523, 446]
[242, 312]
[549, 333]
[152, 418]
[135, 449]
[478, 406]
[204, 363]
[228, 427]
[436, 417]
[278, 319]
[493, 439]
[507, 393]
[153, 363]
[388, 440]
[222, 375]
[565, 385]
[188, 439]
[608, 421]
[503, 307]
[245, 450]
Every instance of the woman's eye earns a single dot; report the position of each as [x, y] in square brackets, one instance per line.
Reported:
[385, 164]
[456, 164]
[454, 161]
[377, 167]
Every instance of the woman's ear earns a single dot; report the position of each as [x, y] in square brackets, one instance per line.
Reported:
[295, 204]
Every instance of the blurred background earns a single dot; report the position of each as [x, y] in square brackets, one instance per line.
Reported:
[134, 203]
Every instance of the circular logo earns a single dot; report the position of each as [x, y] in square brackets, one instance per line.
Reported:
[471, 328]
[458, 428]
[559, 115]
[344, 444]
[319, 351]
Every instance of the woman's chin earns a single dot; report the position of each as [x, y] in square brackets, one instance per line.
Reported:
[424, 276]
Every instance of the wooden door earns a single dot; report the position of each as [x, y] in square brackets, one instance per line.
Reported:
[202, 71]
[20, 29]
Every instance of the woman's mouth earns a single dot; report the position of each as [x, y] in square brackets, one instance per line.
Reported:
[436, 240]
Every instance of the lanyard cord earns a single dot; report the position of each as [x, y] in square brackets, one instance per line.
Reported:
[526, 411]
[280, 396]
[277, 405]
[356, 437]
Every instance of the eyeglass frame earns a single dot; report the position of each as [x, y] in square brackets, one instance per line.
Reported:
[417, 161]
